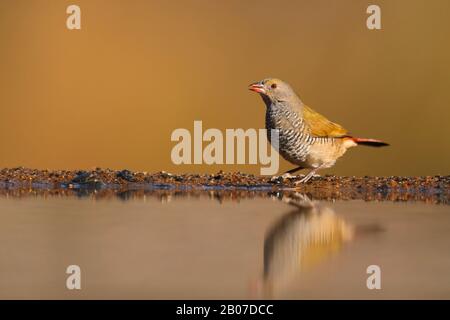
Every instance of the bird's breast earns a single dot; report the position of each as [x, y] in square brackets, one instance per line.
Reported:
[294, 139]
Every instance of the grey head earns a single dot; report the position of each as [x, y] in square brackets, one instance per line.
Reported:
[275, 91]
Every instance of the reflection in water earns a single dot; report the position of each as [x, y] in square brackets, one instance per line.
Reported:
[430, 195]
[190, 247]
[301, 239]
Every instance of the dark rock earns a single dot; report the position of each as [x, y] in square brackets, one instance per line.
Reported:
[126, 175]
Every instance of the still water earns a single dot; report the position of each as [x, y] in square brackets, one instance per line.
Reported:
[210, 246]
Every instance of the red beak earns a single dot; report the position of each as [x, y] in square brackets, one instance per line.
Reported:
[257, 87]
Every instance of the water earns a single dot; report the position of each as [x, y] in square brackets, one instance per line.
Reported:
[212, 245]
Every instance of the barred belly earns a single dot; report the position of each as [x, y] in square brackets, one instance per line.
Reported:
[294, 140]
[294, 145]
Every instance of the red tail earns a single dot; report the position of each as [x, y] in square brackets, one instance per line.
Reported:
[369, 142]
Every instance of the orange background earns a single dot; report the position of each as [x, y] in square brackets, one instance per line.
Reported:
[110, 94]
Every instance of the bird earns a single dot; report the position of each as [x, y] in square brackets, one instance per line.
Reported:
[306, 138]
[299, 240]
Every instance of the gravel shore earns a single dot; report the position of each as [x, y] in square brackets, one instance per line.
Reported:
[106, 182]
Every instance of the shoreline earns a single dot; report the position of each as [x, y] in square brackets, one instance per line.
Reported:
[433, 189]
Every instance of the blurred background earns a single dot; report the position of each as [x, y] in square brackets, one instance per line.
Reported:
[110, 94]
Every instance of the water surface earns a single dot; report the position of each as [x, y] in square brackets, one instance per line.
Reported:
[211, 246]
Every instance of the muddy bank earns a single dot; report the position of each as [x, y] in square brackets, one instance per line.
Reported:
[103, 183]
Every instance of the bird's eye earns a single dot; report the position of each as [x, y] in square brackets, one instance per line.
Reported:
[273, 86]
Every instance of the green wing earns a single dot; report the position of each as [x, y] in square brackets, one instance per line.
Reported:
[320, 126]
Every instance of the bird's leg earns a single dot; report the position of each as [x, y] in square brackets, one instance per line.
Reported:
[306, 178]
[287, 174]
[309, 175]
[293, 170]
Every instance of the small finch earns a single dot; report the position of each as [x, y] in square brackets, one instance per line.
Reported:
[306, 138]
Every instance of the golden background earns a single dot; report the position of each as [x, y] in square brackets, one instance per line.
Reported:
[110, 94]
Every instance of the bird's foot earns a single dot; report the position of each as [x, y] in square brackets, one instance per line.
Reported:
[284, 177]
[289, 176]
[302, 180]
[306, 178]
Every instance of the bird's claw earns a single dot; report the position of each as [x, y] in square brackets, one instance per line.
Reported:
[288, 176]
[302, 180]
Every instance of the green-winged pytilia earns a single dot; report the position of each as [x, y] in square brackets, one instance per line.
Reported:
[306, 138]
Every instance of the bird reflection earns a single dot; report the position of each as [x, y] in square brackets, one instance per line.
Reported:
[301, 239]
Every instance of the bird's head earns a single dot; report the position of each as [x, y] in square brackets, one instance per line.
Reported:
[273, 90]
